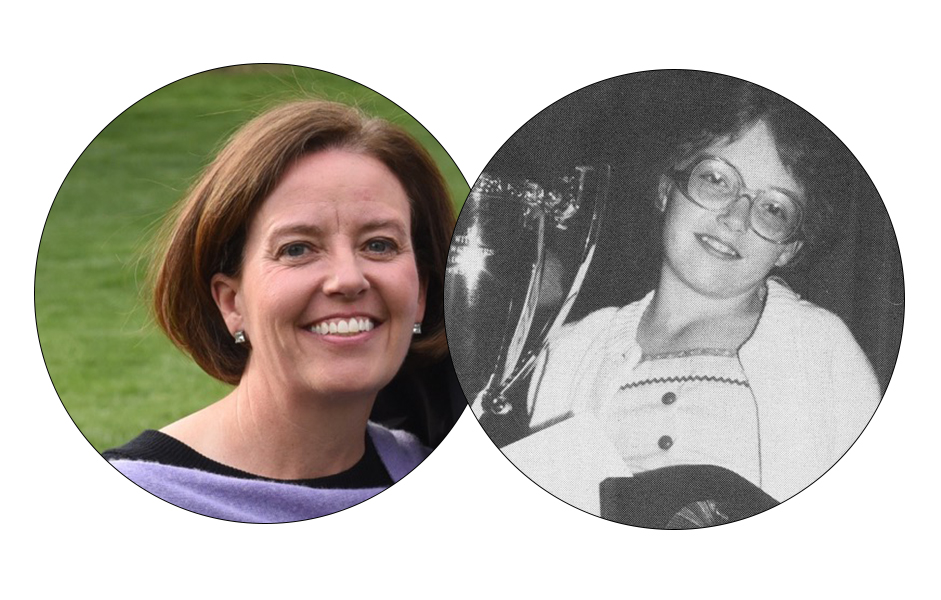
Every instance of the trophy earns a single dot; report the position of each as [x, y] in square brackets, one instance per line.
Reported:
[517, 262]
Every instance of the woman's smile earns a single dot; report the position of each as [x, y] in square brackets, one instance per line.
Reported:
[345, 332]
[343, 326]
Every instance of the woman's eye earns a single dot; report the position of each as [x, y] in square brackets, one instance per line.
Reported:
[295, 250]
[380, 246]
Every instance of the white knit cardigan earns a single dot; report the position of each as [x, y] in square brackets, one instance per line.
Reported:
[814, 386]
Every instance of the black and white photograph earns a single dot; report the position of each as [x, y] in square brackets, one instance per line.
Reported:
[676, 299]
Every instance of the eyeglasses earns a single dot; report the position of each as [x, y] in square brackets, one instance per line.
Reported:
[715, 185]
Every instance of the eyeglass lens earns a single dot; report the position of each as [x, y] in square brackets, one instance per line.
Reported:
[715, 185]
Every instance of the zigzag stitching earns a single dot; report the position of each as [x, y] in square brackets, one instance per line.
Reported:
[712, 378]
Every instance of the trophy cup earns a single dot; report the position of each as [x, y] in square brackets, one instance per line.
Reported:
[517, 261]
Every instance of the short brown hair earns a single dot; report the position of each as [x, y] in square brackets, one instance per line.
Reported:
[206, 234]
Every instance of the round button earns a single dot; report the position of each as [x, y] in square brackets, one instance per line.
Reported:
[665, 442]
[669, 398]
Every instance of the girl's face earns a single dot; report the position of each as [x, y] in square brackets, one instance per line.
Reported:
[718, 254]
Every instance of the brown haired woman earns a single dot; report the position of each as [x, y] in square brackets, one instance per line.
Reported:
[304, 266]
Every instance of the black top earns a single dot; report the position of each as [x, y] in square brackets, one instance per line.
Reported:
[425, 401]
[154, 446]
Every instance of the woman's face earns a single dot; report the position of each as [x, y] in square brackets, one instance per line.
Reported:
[717, 254]
[329, 289]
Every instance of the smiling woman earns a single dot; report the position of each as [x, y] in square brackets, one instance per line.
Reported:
[298, 268]
[330, 247]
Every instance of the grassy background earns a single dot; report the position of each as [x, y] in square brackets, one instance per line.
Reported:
[114, 371]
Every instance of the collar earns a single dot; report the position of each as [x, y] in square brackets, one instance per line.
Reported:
[627, 320]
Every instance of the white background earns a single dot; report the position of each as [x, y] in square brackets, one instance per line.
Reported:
[466, 523]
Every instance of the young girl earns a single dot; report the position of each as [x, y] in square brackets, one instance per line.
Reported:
[722, 363]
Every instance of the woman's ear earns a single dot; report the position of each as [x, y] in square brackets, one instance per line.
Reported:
[225, 292]
[663, 192]
[790, 251]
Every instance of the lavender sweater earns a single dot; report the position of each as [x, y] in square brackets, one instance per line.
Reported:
[257, 501]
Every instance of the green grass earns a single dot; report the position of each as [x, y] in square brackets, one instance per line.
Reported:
[114, 371]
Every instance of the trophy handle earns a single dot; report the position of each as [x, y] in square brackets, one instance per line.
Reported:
[521, 334]
[591, 243]
[493, 398]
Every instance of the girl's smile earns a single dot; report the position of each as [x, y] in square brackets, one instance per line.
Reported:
[718, 248]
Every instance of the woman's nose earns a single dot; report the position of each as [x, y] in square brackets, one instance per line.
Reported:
[735, 215]
[346, 277]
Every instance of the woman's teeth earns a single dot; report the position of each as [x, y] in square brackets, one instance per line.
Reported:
[718, 246]
[343, 326]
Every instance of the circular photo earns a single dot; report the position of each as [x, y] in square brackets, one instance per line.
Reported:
[239, 293]
[674, 299]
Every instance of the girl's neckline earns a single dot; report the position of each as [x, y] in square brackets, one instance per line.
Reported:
[702, 350]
